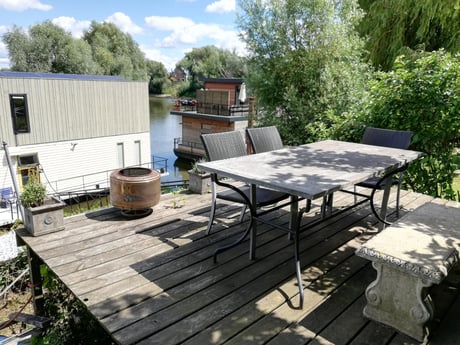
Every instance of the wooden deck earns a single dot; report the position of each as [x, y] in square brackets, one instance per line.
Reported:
[152, 280]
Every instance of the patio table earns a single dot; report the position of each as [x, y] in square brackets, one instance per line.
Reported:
[310, 171]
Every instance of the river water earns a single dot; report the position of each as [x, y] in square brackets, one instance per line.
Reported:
[164, 127]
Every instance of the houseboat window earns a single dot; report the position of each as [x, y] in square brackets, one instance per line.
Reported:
[19, 113]
[28, 160]
[137, 152]
[121, 155]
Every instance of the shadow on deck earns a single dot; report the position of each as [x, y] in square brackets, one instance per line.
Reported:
[152, 280]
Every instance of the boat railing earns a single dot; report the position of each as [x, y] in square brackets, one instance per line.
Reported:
[100, 180]
[191, 147]
[160, 164]
[223, 109]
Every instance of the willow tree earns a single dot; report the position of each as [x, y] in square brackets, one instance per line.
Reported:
[305, 63]
[115, 52]
[48, 48]
[394, 26]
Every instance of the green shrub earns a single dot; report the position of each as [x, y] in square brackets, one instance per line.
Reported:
[71, 322]
[422, 94]
[33, 194]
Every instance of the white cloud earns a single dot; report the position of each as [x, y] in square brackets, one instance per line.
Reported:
[182, 34]
[169, 61]
[4, 59]
[185, 31]
[221, 6]
[3, 29]
[70, 24]
[22, 5]
[124, 22]
[169, 23]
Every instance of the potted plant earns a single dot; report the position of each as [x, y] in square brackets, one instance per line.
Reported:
[42, 214]
[199, 180]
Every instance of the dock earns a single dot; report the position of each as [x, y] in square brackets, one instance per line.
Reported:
[152, 280]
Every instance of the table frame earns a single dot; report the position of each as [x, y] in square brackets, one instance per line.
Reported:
[309, 171]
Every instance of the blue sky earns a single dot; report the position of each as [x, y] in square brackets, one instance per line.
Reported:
[164, 29]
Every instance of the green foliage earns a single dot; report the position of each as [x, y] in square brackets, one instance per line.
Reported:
[178, 198]
[33, 194]
[422, 94]
[210, 62]
[115, 51]
[104, 49]
[48, 48]
[305, 65]
[392, 26]
[71, 323]
[11, 269]
[197, 170]
[158, 77]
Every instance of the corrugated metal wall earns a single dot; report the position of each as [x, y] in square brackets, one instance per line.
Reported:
[67, 109]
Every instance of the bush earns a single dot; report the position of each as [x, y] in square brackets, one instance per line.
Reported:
[71, 322]
[33, 194]
[422, 94]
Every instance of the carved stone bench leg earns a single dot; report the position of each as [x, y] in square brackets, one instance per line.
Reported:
[399, 300]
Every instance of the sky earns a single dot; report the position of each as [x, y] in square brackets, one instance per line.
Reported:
[164, 29]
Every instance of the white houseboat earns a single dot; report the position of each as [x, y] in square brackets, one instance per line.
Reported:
[70, 130]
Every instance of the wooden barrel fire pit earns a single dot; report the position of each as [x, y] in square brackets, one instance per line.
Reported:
[135, 190]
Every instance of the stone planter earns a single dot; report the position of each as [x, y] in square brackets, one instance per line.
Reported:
[199, 183]
[46, 218]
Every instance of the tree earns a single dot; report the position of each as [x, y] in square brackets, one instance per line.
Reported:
[393, 26]
[211, 62]
[48, 48]
[305, 63]
[115, 52]
[158, 77]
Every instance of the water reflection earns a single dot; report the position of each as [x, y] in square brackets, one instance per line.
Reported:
[164, 127]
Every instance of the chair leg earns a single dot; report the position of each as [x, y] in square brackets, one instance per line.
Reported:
[398, 192]
[212, 213]
[243, 212]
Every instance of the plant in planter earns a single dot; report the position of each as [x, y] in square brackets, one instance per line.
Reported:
[42, 214]
[199, 180]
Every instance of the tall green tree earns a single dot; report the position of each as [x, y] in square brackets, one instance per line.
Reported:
[158, 77]
[211, 62]
[393, 26]
[48, 48]
[115, 52]
[305, 63]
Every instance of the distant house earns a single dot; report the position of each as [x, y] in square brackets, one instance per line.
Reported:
[68, 129]
[178, 75]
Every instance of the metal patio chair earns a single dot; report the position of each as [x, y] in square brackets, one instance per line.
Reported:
[263, 139]
[388, 138]
[228, 145]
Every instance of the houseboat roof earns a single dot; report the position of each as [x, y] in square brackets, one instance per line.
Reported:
[42, 75]
[223, 80]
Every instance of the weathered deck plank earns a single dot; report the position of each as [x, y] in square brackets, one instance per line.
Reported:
[152, 280]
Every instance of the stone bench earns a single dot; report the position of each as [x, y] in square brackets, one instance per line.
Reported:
[409, 256]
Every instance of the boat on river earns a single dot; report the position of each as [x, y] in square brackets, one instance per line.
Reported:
[220, 107]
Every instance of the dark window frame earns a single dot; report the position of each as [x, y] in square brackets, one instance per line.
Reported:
[21, 123]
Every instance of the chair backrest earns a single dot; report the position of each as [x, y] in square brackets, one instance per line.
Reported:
[264, 139]
[224, 145]
[387, 137]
